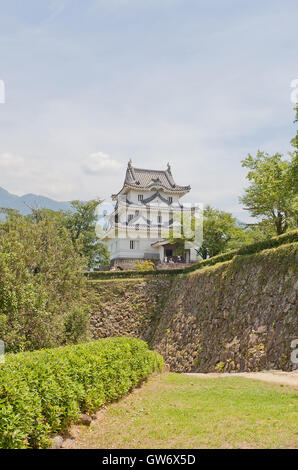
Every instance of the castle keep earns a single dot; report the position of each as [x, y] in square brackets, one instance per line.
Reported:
[147, 211]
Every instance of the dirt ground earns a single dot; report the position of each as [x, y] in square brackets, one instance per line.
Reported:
[274, 376]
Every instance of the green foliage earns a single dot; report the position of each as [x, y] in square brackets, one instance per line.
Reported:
[145, 265]
[293, 173]
[272, 194]
[42, 261]
[81, 223]
[42, 392]
[76, 325]
[250, 234]
[93, 275]
[41, 281]
[294, 141]
[289, 237]
[220, 366]
[220, 232]
[188, 230]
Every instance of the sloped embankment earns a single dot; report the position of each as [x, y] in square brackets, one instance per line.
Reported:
[235, 316]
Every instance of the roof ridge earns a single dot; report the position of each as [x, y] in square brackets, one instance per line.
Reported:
[147, 169]
[145, 178]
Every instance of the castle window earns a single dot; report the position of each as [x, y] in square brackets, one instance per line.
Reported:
[137, 226]
[159, 219]
[170, 199]
[140, 197]
[130, 217]
[132, 244]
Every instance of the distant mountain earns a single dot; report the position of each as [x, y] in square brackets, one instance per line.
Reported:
[12, 201]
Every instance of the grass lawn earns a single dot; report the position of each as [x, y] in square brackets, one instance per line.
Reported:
[178, 411]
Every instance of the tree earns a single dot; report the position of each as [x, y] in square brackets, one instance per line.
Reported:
[251, 233]
[271, 194]
[81, 223]
[294, 161]
[41, 283]
[221, 232]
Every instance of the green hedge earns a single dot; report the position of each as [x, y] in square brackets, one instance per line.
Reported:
[289, 237]
[93, 275]
[42, 392]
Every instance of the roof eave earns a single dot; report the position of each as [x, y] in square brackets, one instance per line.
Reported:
[177, 189]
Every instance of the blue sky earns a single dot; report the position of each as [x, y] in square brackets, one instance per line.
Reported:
[91, 84]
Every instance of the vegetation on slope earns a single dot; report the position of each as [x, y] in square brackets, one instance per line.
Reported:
[289, 237]
[43, 257]
[41, 284]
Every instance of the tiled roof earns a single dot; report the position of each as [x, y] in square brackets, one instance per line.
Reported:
[146, 179]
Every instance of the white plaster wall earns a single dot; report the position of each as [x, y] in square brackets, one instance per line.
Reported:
[120, 247]
[152, 215]
[141, 246]
[132, 195]
[193, 254]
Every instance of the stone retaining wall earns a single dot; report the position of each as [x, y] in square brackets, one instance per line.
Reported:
[240, 315]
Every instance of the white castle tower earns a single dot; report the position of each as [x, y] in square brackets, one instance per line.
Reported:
[147, 208]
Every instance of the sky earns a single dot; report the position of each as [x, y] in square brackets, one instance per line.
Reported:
[89, 85]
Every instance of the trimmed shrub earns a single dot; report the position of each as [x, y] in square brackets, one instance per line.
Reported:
[146, 265]
[289, 237]
[94, 275]
[42, 392]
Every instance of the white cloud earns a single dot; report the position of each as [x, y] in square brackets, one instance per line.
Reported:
[100, 162]
[32, 174]
[197, 86]
[9, 161]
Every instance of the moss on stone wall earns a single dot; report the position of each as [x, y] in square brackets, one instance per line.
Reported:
[128, 307]
[236, 315]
